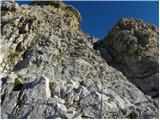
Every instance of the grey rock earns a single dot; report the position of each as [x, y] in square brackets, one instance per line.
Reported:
[133, 48]
[63, 76]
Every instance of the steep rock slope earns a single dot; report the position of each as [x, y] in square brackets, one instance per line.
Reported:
[49, 69]
[131, 46]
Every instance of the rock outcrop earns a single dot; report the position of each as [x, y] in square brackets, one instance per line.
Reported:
[50, 68]
[131, 46]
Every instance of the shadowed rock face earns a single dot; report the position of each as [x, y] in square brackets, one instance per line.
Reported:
[62, 75]
[133, 49]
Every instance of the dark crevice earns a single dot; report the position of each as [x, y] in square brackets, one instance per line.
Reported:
[2, 98]
[17, 85]
[87, 117]
[132, 115]
[4, 80]
[21, 99]
[52, 86]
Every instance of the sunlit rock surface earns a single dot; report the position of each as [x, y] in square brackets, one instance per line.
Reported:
[51, 69]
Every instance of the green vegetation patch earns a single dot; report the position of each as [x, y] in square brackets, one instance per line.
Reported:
[12, 56]
[10, 60]
[17, 84]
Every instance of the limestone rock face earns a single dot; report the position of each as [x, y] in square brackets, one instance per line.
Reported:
[50, 69]
[132, 48]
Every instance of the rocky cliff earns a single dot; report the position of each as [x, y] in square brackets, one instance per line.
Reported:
[51, 69]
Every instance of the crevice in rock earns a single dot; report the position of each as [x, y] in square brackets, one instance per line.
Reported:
[87, 117]
[21, 99]
[132, 115]
[2, 98]
[52, 86]
[4, 80]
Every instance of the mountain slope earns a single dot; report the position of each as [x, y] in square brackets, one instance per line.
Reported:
[50, 69]
[132, 48]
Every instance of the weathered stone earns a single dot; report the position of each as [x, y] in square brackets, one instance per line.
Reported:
[134, 49]
[60, 73]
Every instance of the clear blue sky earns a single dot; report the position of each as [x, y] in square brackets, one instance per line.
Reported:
[100, 16]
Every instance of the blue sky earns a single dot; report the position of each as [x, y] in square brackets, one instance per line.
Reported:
[100, 16]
